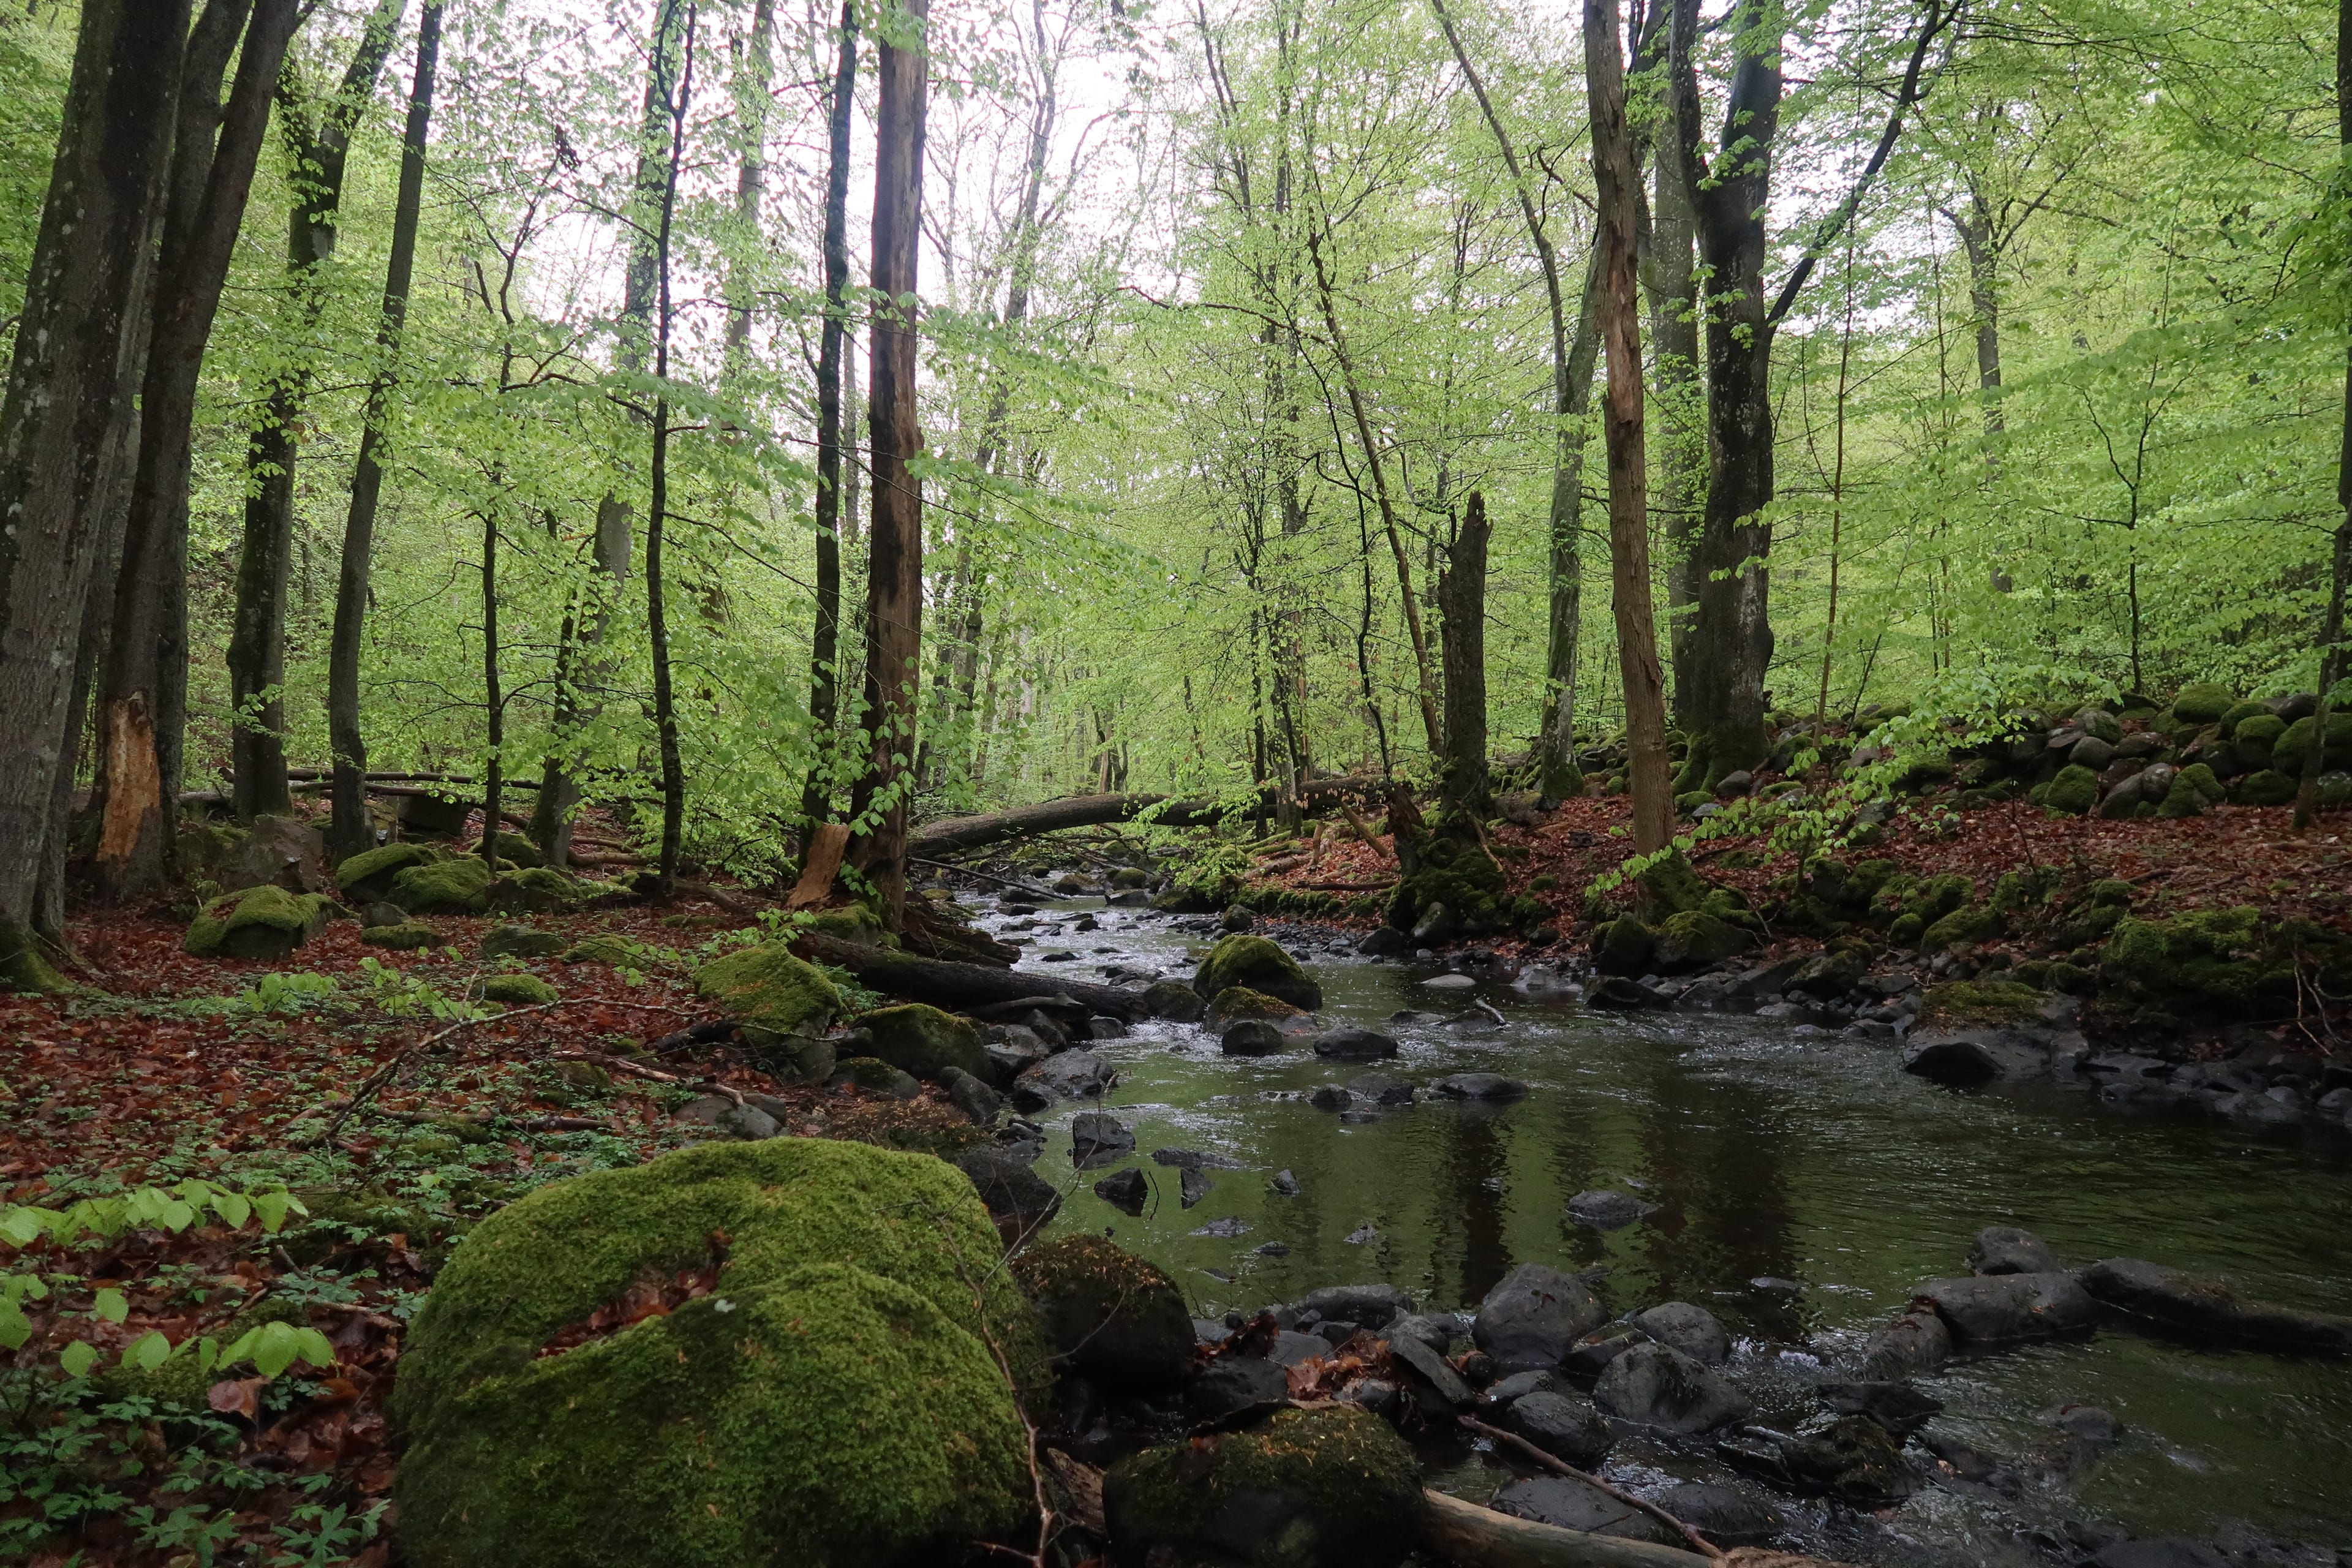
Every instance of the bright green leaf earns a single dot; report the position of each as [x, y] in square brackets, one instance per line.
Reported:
[78, 1358]
[111, 1305]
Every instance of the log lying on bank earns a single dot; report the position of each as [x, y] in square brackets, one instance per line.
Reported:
[956, 834]
[1469, 1536]
[957, 986]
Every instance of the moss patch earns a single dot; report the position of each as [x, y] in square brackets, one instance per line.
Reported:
[519, 989]
[766, 988]
[924, 1040]
[459, 885]
[367, 875]
[1461, 876]
[266, 921]
[1238, 1002]
[1260, 965]
[1107, 1311]
[407, 936]
[601, 947]
[2206, 961]
[1970, 923]
[1998, 1003]
[832, 1400]
[536, 888]
[2202, 702]
[2073, 792]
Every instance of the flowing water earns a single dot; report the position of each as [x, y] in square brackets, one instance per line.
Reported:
[1768, 1156]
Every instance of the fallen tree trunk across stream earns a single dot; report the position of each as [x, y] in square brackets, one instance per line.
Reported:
[956, 834]
[957, 986]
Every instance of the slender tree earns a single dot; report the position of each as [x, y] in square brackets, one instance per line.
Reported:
[319, 150]
[352, 830]
[2339, 577]
[63, 421]
[1462, 593]
[142, 702]
[1618, 180]
[894, 597]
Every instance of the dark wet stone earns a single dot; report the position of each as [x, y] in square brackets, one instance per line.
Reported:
[1100, 1027]
[1017, 1197]
[1656, 1385]
[2183, 1300]
[2000, 1307]
[1381, 1089]
[1354, 1045]
[2005, 1249]
[1228, 1227]
[971, 1097]
[1962, 1461]
[1437, 1333]
[1591, 1354]
[1194, 1159]
[1579, 1505]
[1430, 1370]
[1855, 1460]
[1605, 1210]
[1192, 1186]
[2093, 1424]
[1528, 1322]
[1331, 1096]
[1563, 1425]
[1898, 1406]
[1690, 1330]
[1360, 1118]
[1290, 1348]
[1126, 1190]
[1478, 1086]
[1917, 1342]
[1072, 1075]
[1283, 1184]
[1252, 1038]
[1232, 1387]
[1096, 1138]
[2158, 1554]
[1519, 1384]
[1727, 1515]
[1366, 1306]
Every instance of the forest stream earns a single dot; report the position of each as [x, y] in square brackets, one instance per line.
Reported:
[1803, 1186]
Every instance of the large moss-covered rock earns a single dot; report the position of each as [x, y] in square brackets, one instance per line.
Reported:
[1968, 923]
[1981, 1003]
[2238, 714]
[514, 848]
[402, 936]
[2287, 756]
[1109, 1313]
[367, 876]
[1257, 964]
[1235, 1003]
[925, 1041]
[537, 888]
[2256, 738]
[266, 921]
[1625, 946]
[458, 884]
[2203, 702]
[1457, 873]
[522, 942]
[2073, 792]
[765, 988]
[2194, 791]
[1696, 938]
[2266, 787]
[519, 989]
[2209, 960]
[1172, 1000]
[1306, 1489]
[823, 1391]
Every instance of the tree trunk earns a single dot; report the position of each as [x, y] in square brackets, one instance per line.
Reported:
[494, 705]
[1672, 285]
[352, 830]
[1462, 593]
[72, 384]
[957, 987]
[825, 646]
[580, 671]
[1617, 178]
[138, 775]
[751, 173]
[673, 762]
[257, 650]
[2331, 634]
[894, 593]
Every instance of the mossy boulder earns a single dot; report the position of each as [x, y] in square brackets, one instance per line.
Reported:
[2287, 756]
[367, 876]
[266, 921]
[1258, 965]
[1106, 1312]
[1625, 946]
[536, 888]
[519, 989]
[823, 1391]
[1970, 923]
[2203, 702]
[522, 941]
[459, 885]
[2205, 961]
[2256, 738]
[871, 1074]
[1458, 874]
[847, 923]
[601, 947]
[767, 990]
[925, 1041]
[1980, 1003]
[2238, 714]
[515, 847]
[1697, 939]
[2265, 788]
[1938, 896]
[1671, 886]
[1238, 1002]
[2195, 791]
[2073, 793]
[402, 936]
[1173, 1000]
[1306, 1488]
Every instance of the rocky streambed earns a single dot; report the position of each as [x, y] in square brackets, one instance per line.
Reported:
[1764, 1195]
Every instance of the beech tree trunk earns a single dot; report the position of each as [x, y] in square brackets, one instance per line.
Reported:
[352, 829]
[673, 762]
[580, 674]
[257, 650]
[1672, 288]
[1617, 178]
[142, 707]
[825, 644]
[894, 593]
[2331, 633]
[1461, 591]
[71, 385]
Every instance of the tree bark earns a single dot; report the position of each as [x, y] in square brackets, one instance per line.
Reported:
[580, 675]
[751, 173]
[825, 646]
[1617, 178]
[1461, 591]
[257, 650]
[352, 829]
[72, 384]
[2331, 633]
[955, 986]
[140, 711]
[1672, 288]
[954, 835]
[894, 593]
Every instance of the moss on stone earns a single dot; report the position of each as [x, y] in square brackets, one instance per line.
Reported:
[2256, 738]
[1906, 930]
[1938, 896]
[535, 888]
[1238, 1002]
[1173, 1000]
[1962, 1004]
[848, 922]
[2291, 748]
[2265, 788]
[2194, 791]
[514, 848]
[925, 1041]
[2206, 961]
[601, 947]
[367, 875]
[1107, 1311]
[1671, 886]
[833, 1400]
[2073, 792]
[1625, 947]
[458, 884]
[1306, 1488]
[1968, 923]
[1695, 940]
[871, 1074]
[2202, 702]
[1258, 965]
[519, 989]
[1457, 873]
[522, 942]
[266, 921]
[765, 987]
[407, 936]
[2238, 714]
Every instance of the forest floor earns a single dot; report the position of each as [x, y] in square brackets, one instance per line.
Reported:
[242, 1072]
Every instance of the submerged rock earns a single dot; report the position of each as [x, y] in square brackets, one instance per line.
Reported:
[1097, 1139]
[1478, 1086]
[1355, 1044]
[1563, 1425]
[2012, 1305]
[1727, 1515]
[1604, 1210]
[2182, 1301]
[1528, 1322]
[1656, 1385]
[1366, 1306]
[1126, 1190]
[1570, 1504]
[1855, 1460]
[1898, 1406]
[2005, 1249]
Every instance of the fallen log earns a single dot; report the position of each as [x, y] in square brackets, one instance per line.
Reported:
[1474, 1537]
[956, 987]
[959, 832]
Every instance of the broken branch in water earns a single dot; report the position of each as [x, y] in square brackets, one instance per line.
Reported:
[1699, 1544]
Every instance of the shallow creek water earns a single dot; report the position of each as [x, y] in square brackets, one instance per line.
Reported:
[1768, 1156]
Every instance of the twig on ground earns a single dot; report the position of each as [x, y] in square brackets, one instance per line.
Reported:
[383, 1075]
[1698, 1542]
